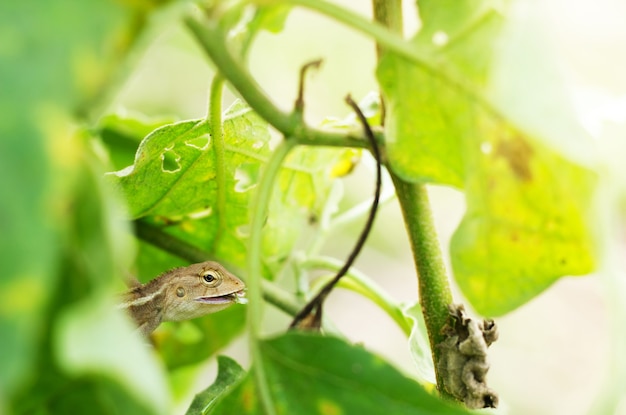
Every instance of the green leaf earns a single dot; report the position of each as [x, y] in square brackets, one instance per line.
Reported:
[43, 46]
[152, 185]
[299, 196]
[174, 182]
[270, 17]
[229, 375]
[419, 344]
[85, 340]
[310, 374]
[527, 206]
[89, 338]
[98, 393]
[243, 28]
[429, 108]
[122, 134]
[93, 339]
[526, 223]
[195, 341]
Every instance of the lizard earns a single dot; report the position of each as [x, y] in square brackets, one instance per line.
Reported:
[182, 294]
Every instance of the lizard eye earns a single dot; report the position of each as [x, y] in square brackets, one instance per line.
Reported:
[211, 278]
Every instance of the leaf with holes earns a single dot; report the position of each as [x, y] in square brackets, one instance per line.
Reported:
[175, 177]
[121, 134]
[174, 181]
[167, 163]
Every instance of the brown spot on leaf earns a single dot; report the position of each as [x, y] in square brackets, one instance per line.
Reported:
[518, 153]
[248, 397]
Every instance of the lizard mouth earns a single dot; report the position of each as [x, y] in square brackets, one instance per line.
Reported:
[236, 297]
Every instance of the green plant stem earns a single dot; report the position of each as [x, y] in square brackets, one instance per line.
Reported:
[213, 41]
[217, 136]
[387, 17]
[358, 282]
[155, 236]
[434, 289]
[262, 198]
[255, 307]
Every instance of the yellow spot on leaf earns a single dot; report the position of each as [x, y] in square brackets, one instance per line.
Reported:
[248, 397]
[326, 407]
[21, 295]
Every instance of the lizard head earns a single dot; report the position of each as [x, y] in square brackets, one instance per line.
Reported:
[201, 289]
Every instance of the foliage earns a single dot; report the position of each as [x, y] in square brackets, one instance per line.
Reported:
[464, 141]
[311, 373]
[220, 187]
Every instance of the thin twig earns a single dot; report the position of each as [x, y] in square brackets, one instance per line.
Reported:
[299, 104]
[310, 316]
